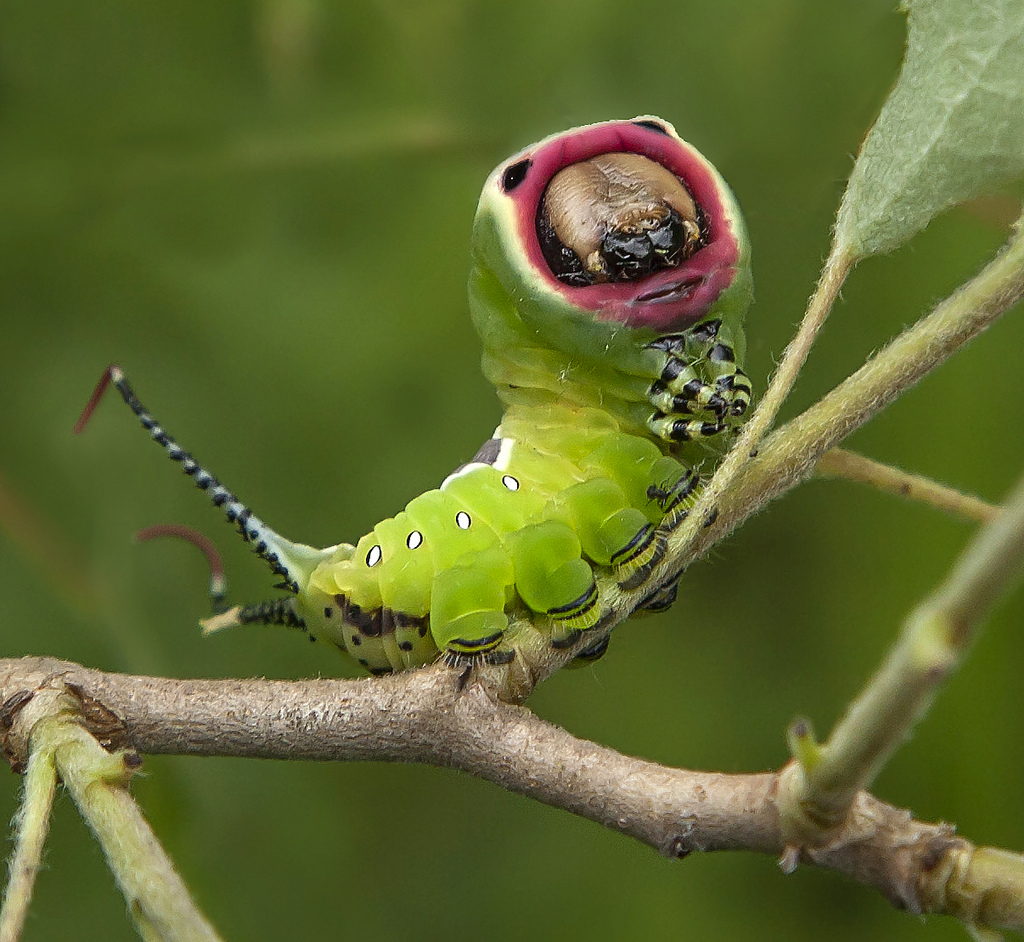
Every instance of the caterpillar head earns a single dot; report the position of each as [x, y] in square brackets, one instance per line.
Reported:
[591, 244]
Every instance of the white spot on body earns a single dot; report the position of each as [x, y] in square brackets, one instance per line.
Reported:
[374, 556]
[510, 482]
[462, 520]
[414, 540]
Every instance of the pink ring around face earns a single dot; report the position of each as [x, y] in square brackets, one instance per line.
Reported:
[670, 299]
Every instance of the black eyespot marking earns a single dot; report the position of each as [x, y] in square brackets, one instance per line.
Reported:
[652, 126]
[515, 174]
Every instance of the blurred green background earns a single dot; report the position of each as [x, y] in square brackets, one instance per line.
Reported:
[262, 210]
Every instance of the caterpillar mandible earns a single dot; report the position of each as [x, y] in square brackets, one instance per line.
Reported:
[610, 279]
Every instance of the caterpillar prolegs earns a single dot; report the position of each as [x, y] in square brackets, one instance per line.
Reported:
[609, 284]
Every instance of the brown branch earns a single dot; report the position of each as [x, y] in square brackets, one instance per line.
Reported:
[422, 716]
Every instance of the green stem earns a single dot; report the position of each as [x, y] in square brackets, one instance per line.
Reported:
[33, 823]
[850, 466]
[933, 642]
[158, 900]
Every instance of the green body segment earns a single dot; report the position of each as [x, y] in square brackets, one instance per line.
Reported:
[526, 530]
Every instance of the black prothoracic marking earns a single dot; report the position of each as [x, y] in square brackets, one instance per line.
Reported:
[652, 126]
[672, 369]
[722, 353]
[515, 174]
[405, 645]
[405, 620]
[328, 611]
[680, 430]
[706, 331]
[670, 343]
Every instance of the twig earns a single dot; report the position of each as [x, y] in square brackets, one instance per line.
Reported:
[850, 466]
[32, 823]
[934, 640]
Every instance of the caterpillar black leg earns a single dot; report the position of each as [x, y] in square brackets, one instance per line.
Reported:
[669, 495]
[465, 664]
[660, 600]
[634, 563]
[700, 379]
[573, 618]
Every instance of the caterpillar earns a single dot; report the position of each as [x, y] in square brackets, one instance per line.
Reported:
[610, 279]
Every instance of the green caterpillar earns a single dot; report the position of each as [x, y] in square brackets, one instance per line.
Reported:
[609, 284]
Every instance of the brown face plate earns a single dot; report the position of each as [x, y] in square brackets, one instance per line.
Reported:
[616, 217]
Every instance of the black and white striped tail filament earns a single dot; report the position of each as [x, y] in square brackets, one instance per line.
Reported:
[267, 544]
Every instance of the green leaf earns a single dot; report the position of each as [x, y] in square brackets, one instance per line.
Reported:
[952, 128]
